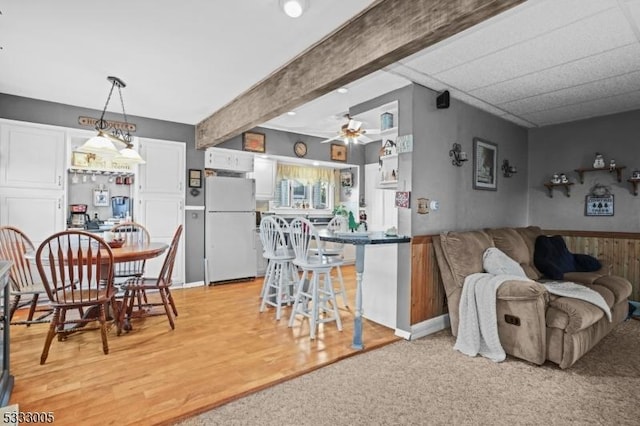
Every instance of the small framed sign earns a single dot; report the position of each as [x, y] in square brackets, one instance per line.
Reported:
[195, 178]
[253, 141]
[338, 152]
[403, 199]
[101, 197]
[598, 205]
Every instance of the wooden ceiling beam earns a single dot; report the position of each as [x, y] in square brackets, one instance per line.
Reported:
[382, 34]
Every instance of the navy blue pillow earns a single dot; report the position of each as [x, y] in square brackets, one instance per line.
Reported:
[586, 263]
[552, 257]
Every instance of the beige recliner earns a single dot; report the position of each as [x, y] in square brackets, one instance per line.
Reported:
[532, 324]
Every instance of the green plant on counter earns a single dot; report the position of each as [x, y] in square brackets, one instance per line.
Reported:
[340, 210]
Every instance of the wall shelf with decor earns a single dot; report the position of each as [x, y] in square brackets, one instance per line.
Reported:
[566, 186]
[388, 171]
[634, 182]
[618, 170]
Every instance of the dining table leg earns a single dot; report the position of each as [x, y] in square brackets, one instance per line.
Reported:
[357, 319]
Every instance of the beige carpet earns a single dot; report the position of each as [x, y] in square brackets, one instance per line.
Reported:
[426, 382]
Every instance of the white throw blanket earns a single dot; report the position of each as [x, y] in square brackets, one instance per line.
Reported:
[577, 291]
[478, 327]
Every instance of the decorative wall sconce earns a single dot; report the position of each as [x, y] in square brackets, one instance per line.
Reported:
[458, 156]
[507, 169]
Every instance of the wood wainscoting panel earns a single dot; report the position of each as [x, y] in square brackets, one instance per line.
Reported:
[619, 249]
[427, 291]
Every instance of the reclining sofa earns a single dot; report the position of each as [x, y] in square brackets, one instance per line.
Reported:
[533, 324]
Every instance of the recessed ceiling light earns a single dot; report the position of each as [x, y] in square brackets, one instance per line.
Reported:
[293, 8]
[316, 163]
[291, 113]
[343, 90]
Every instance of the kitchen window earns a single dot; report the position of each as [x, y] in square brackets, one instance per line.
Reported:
[304, 187]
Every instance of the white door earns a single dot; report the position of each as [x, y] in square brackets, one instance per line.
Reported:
[160, 198]
[37, 213]
[32, 156]
[382, 213]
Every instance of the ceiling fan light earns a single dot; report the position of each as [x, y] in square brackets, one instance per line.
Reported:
[293, 8]
[346, 141]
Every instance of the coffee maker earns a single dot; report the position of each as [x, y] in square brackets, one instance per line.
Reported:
[121, 207]
[78, 217]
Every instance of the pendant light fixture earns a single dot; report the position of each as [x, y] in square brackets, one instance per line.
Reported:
[103, 143]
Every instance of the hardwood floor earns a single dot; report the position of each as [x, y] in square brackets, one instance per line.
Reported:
[222, 348]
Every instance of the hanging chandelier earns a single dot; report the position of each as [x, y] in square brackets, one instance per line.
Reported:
[108, 135]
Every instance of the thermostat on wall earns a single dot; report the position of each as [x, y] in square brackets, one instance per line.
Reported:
[434, 205]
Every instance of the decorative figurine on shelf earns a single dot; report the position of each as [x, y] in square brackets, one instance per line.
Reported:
[353, 225]
[555, 178]
[563, 178]
[612, 165]
[598, 163]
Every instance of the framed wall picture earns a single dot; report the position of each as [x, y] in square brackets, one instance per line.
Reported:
[346, 179]
[101, 197]
[253, 141]
[485, 163]
[195, 178]
[338, 152]
[598, 205]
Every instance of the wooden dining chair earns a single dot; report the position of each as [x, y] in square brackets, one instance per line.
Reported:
[26, 286]
[76, 268]
[132, 233]
[160, 286]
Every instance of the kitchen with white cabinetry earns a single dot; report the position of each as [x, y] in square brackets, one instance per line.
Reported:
[228, 160]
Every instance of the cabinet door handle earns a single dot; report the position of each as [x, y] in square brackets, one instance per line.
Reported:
[59, 203]
[59, 180]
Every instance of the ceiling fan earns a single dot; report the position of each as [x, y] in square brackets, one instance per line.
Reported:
[352, 132]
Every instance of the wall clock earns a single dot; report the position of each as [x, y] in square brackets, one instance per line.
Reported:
[300, 149]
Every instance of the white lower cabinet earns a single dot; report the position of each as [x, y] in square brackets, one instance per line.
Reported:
[38, 213]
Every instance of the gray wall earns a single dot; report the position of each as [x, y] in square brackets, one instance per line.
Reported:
[281, 143]
[566, 147]
[434, 177]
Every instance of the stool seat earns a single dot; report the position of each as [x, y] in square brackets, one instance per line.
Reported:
[280, 276]
[315, 297]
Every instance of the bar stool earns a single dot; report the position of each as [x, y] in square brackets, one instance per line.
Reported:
[336, 224]
[319, 292]
[278, 281]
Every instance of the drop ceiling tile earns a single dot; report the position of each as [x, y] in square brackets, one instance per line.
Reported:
[577, 95]
[595, 108]
[588, 37]
[618, 61]
[634, 11]
[522, 23]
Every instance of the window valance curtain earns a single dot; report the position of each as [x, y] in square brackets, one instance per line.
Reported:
[305, 175]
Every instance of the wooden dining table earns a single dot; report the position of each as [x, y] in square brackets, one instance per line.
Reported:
[126, 253]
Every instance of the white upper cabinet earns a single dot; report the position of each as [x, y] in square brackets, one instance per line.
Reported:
[160, 174]
[32, 157]
[265, 177]
[228, 159]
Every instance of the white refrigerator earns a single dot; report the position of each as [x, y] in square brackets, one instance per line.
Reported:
[230, 225]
